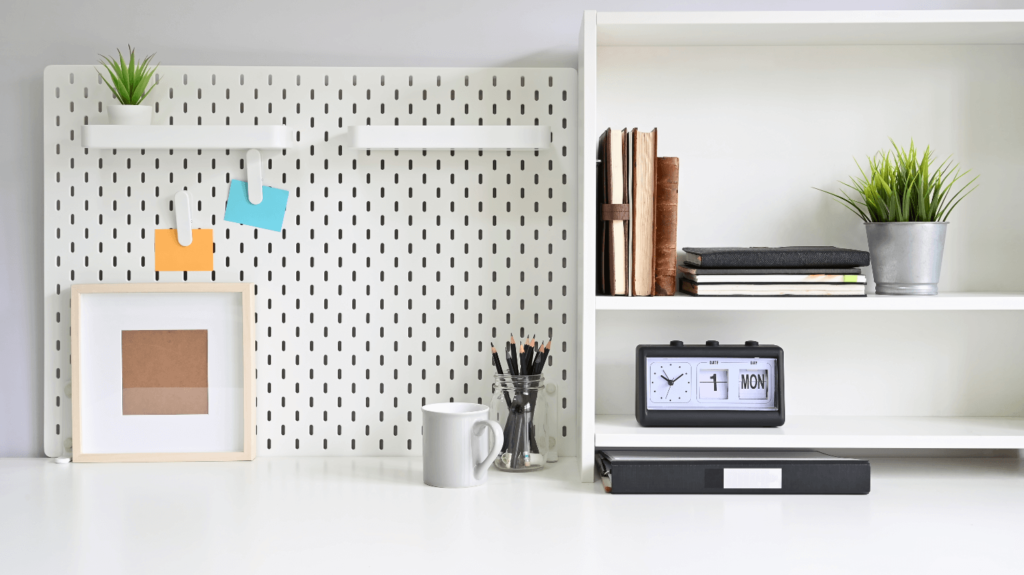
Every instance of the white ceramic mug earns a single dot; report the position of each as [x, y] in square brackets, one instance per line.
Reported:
[455, 444]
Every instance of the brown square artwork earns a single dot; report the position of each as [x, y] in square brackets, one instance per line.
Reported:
[164, 372]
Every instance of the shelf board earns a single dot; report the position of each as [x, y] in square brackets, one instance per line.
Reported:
[106, 137]
[967, 301]
[821, 432]
[817, 28]
[448, 137]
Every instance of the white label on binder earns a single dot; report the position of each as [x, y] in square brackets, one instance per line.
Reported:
[752, 479]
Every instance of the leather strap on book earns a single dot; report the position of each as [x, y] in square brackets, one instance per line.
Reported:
[614, 212]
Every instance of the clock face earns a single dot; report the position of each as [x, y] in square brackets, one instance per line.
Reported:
[669, 381]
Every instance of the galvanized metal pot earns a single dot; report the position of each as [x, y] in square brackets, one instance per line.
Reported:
[906, 257]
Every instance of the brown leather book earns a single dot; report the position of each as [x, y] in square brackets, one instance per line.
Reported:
[613, 214]
[666, 213]
[645, 154]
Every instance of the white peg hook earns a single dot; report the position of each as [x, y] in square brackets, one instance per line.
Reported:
[254, 170]
[183, 217]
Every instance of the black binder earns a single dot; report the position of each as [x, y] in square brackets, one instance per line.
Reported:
[732, 472]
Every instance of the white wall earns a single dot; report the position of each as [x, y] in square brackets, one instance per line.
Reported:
[34, 34]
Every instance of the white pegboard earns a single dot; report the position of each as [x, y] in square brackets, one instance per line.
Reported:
[394, 271]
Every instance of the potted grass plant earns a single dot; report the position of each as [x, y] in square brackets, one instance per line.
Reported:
[129, 82]
[904, 200]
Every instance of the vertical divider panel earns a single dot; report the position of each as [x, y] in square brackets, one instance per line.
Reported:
[586, 225]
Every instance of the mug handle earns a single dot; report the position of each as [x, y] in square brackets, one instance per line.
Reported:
[478, 429]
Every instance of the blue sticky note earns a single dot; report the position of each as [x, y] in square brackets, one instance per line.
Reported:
[268, 214]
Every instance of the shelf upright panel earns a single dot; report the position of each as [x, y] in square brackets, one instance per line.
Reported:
[586, 302]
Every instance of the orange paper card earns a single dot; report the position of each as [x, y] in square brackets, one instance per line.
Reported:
[172, 257]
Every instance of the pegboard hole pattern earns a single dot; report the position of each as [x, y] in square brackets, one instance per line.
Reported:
[395, 270]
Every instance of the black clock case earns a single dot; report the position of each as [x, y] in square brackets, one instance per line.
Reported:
[686, 418]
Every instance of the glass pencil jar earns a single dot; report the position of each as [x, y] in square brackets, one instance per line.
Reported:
[519, 403]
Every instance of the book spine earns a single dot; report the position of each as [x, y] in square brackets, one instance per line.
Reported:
[613, 224]
[603, 284]
[666, 206]
[642, 252]
[628, 198]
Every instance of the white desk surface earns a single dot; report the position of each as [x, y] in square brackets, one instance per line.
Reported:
[363, 515]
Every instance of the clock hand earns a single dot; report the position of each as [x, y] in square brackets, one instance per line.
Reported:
[670, 381]
[677, 377]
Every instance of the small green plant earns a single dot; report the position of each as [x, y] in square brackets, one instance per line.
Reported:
[902, 187]
[128, 80]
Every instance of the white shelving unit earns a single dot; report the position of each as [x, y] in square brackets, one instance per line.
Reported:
[448, 137]
[761, 107]
[106, 137]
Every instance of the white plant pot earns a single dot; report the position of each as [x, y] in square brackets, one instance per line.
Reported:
[121, 115]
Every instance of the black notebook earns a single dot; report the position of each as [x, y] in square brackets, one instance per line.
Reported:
[787, 257]
[727, 472]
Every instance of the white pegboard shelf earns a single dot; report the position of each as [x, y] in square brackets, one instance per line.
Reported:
[107, 137]
[448, 137]
[819, 432]
[942, 302]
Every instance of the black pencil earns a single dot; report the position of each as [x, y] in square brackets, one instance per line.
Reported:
[527, 358]
[538, 360]
[497, 360]
[522, 360]
[544, 357]
[511, 359]
[537, 349]
[497, 366]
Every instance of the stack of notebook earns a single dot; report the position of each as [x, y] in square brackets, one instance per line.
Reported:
[637, 203]
[791, 271]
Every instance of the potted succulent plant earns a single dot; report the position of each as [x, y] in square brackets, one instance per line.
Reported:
[129, 83]
[904, 200]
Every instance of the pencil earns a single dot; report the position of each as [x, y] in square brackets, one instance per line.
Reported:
[497, 366]
[528, 366]
[538, 361]
[522, 360]
[534, 354]
[510, 358]
[497, 360]
[544, 357]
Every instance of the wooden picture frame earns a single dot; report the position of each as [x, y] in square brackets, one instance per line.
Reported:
[246, 367]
